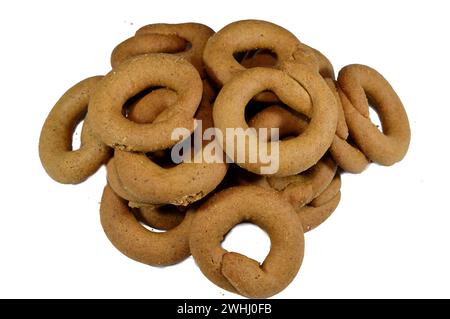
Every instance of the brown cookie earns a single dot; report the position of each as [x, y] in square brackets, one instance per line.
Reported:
[60, 162]
[304, 91]
[129, 79]
[145, 181]
[362, 84]
[233, 271]
[241, 36]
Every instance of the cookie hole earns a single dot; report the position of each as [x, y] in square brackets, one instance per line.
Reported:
[155, 230]
[188, 45]
[76, 137]
[253, 108]
[174, 216]
[351, 141]
[375, 118]
[249, 240]
[256, 58]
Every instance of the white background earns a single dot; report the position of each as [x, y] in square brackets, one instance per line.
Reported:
[389, 237]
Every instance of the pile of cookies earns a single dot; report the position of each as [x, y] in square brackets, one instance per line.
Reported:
[250, 74]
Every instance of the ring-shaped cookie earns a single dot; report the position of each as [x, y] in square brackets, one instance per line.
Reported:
[138, 243]
[55, 143]
[241, 36]
[132, 77]
[149, 108]
[183, 184]
[146, 43]
[305, 92]
[233, 271]
[362, 84]
[196, 34]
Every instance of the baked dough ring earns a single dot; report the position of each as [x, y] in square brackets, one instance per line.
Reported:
[55, 143]
[138, 243]
[236, 272]
[297, 154]
[146, 43]
[146, 182]
[132, 77]
[195, 33]
[361, 83]
[241, 36]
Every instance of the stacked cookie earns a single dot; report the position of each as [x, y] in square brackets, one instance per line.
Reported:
[249, 76]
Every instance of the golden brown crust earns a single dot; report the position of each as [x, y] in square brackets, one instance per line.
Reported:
[236, 272]
[361, 83]
[241, 36]
[55, 143]
[297, 154]
[144, 181]
[129, 79]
